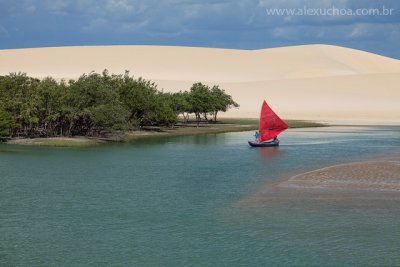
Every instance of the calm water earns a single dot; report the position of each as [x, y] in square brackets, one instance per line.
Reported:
[174, 202]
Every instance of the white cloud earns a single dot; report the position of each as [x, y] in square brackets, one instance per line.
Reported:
[224, 23]
[379, 31]
[302, 3]
[3, 31]
[133, 26]
[83, 5]
[395, 33]
[359, 30]
[96, 25]
[57, 5]
[28, 6]
[119, 5]
[97, 7]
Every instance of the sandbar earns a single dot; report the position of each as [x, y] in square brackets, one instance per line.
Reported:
[363, 180]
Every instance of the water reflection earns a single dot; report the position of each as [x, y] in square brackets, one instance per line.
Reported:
[3, 151]
[204, 139]
[7, 150]
[207, 139]
[269, 152]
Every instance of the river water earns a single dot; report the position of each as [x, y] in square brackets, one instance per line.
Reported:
[174, 202]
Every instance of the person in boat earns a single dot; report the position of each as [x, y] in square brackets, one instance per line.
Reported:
[275, 139]
[257, 136]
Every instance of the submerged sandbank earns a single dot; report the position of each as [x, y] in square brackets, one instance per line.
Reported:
[376, 179]
[380, 175]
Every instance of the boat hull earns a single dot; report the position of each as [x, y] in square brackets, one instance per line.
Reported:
[264, 144]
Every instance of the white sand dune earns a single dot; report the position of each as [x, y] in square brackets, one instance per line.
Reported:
[315, 82]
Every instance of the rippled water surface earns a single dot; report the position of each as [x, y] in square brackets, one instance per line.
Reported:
[174, 202]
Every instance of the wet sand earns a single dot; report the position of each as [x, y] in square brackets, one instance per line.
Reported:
[367, 176]
[56, 141]
[377, 180]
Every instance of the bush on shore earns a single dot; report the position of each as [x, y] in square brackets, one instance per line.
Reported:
[97, 103]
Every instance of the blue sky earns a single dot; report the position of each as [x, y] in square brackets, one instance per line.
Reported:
[243, 24]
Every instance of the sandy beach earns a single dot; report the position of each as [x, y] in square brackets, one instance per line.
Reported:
[359, 181]
[312, 82]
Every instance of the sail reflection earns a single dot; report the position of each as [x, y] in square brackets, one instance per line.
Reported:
[269, 152]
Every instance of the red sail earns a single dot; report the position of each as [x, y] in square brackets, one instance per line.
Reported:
[270, 124]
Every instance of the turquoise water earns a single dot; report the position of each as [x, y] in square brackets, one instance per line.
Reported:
[174, 202]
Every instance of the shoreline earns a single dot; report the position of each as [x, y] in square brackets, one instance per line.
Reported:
[225, 126]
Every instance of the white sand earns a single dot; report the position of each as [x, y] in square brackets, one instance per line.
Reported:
[315, 82]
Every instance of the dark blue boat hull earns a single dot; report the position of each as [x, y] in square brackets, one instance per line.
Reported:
[264, 144]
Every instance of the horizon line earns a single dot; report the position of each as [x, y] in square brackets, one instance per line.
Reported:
[201, 47]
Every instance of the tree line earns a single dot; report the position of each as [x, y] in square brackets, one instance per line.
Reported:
[97, 103]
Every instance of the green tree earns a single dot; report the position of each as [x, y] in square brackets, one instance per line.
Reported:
[181, 105]
[200, 101]
[98, 103]
[89, 99]
[220, 101]
[163, 113]
[16, 95]
[138, 97]
[6, 124]
[46, 104]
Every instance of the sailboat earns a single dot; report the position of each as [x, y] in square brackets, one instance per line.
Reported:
[269, 129]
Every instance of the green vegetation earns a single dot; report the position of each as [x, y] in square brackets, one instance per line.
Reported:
[304, 124]
[96, 105]
[203, 100]
[6, 123]
[254, 122]
[100, 107]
